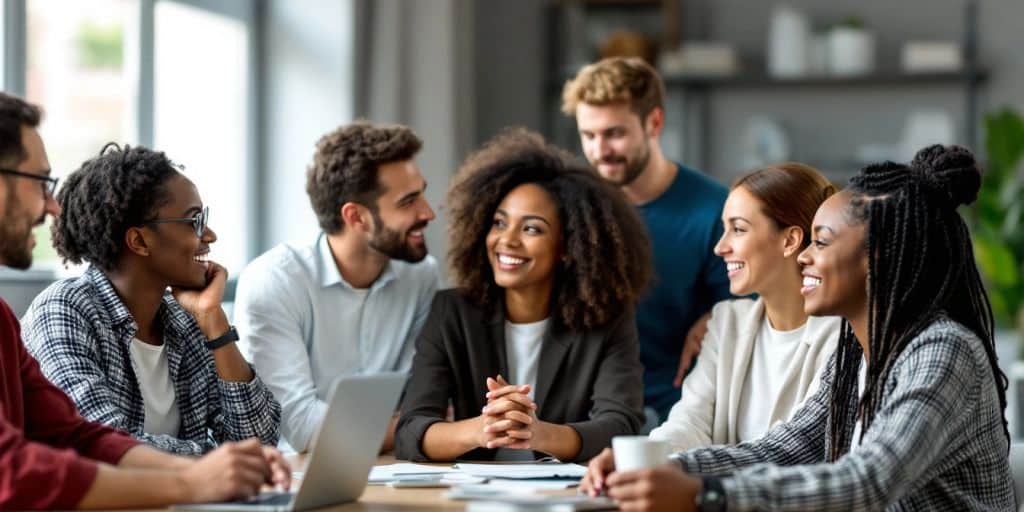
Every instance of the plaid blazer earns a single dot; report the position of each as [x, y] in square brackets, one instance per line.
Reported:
[80, 332]
[936, 442]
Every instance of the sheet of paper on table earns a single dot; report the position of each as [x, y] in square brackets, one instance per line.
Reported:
[541, 503]
[533, 484]
[523, 471]
[408, 470]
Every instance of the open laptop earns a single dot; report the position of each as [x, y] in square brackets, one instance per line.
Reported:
[343, 451]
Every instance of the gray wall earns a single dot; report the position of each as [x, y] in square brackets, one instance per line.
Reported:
[18, 288]
[419, 75]
[510, 57]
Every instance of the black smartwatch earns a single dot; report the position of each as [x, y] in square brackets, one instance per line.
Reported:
[229, 337]
[712, 497]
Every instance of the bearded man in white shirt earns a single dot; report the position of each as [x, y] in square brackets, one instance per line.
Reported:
[354, 300]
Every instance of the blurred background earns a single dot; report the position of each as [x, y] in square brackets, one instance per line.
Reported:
[239, 91]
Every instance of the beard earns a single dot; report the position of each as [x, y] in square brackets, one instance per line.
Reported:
[633, 169]
[394, 244]
[15, 232]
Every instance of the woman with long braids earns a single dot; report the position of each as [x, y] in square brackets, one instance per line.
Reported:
[909, 415]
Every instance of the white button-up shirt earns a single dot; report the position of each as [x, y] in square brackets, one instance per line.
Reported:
[305, 326]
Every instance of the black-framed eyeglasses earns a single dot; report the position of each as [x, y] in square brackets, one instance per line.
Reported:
[198, 221]
[49, 183]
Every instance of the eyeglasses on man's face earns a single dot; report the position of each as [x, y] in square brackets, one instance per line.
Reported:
[198, 221]
[48, 183]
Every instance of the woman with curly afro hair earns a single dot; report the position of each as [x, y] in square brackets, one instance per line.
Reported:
[158, 364]
[536, 346]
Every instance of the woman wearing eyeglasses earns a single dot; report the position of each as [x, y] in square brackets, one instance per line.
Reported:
[161, 365]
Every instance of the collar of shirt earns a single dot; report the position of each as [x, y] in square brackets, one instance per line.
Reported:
[330, 275]
[176, 321]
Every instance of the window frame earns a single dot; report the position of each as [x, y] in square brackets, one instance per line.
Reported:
[249, 12]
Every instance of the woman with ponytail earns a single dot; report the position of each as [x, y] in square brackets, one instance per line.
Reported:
[761, 357]
[909, 415]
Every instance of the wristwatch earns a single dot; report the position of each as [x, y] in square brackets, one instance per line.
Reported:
[229, 337]
[712, 497]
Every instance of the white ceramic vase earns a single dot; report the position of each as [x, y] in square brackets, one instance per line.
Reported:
[788, 43]
[851, 51]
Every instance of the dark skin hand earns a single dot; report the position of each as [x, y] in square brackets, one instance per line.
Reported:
[510, 412]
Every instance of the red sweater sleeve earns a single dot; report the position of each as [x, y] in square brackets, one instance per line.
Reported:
[48, 452]
[37, 476]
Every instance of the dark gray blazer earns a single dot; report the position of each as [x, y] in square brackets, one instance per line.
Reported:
[591, 381]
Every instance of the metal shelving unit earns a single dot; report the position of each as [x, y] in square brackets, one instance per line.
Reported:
[696, 91]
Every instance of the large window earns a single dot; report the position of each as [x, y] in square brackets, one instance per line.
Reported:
[201, 98]
[78, 68]
[173, 75]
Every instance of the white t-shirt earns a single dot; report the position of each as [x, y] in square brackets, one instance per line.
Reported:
[158, 397]
[862, 379]
[774, 351]
[522, 345]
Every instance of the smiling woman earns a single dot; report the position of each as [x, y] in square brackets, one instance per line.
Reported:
[762, 356]
[910, 412]
[539, 333]
[157, 364]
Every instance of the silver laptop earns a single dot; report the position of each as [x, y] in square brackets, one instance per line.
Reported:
[343, 451]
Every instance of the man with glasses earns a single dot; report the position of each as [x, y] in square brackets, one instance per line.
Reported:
[50, 457]
[354, 300]
[17, 253]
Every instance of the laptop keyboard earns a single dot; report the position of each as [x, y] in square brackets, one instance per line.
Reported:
[271, 498]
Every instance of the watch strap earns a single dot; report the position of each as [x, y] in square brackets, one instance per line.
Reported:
[712, 496]
[229, 337]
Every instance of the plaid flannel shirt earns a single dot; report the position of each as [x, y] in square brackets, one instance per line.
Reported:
[936, 442]
[80, 332]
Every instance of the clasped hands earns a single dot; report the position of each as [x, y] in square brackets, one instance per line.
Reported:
[509, 418]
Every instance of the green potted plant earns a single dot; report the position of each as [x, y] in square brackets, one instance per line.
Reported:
[998, 215]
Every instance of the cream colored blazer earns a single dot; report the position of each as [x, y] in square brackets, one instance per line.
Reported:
[708, 411]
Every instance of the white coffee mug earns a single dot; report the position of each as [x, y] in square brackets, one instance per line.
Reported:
[638, 452]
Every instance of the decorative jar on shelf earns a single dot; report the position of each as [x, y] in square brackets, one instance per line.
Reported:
[851, 51]
[788, 43]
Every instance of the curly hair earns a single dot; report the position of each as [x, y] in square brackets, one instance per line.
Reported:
[609, 261]
[345, 167]
[614, 80]
[108, 194]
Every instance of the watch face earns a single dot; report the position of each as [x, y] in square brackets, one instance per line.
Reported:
[711, 498]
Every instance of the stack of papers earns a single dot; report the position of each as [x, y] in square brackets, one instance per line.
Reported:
[542, 503]
[501, 479]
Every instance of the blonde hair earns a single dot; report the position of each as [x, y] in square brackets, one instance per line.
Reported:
[615, 80]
